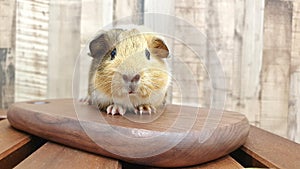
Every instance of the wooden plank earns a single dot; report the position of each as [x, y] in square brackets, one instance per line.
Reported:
[15, 146]
[30, 60]
[7, 51]
[7, 18]
[64, 34]
[221, 32]
[166, 7]
[54, 156]
[294, 94]
[251, 60]
[226, 162]
[276, 66]
[122, 9]
[271, 150]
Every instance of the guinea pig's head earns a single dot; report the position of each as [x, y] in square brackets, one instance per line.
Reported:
[130, 63]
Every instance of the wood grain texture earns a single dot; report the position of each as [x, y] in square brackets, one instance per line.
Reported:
[180, 136]
[31, 49]
[226, 162]
[276, 66]
[15, 145]
[10, 139]
[271, 150]
[249, 68]
[54, 156]
[63, 34]
[294, 94]
[7, 19]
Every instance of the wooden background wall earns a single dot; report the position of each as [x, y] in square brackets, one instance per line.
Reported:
[7, 52]
[257, 42]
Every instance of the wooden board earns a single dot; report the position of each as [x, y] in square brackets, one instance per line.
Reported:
[15, 146]
[271, 150]
[60, 157]
[175, 136]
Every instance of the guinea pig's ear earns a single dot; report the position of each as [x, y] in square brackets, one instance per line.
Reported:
[99, 46]
[157, 46]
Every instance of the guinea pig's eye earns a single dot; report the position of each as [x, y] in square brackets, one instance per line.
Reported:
[147, 53]
[113, 54]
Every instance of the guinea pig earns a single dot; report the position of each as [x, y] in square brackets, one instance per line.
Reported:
[128, 71]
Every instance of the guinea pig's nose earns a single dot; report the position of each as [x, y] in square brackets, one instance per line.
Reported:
[135, 78]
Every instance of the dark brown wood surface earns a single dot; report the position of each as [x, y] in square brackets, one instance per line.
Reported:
[225, 162]
[54, 156]
[168, 139]
[271, 150]
[15, 145]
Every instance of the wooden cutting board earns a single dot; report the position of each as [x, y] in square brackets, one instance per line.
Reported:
[175, 136]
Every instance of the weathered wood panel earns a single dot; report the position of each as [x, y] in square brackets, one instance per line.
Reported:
[31, 49]
[248, 66]
[64, 46]
[221, 33]
[276, 66]
[294, 94]
[132, 9]
[7, 8]
[188, 66]
[7, 52]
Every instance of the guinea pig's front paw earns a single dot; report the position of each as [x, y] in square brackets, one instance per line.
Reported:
[115, 109]
[86, 100]
[145, 108]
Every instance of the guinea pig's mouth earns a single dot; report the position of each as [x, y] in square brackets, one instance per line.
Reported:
[132, 89]
[132, 92]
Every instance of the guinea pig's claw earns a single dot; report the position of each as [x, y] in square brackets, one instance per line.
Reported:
[115, 109]
[109, 109]
[87, 100]
[145, 108]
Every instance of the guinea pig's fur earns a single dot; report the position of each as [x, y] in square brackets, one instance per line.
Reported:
[128, 71]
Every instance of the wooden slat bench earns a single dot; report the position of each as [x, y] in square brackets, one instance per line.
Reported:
[22, 151]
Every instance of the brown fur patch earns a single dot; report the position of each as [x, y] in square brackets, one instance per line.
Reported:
[153, 79]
